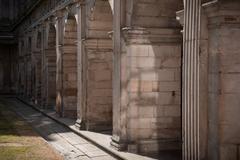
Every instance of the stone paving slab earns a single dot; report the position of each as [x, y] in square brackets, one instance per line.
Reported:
[62, 139]
[99, 139]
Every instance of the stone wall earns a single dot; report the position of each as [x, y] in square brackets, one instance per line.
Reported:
[139, 77]
[70, 68]
[99, 67]
[229, 60]
[153, 71]
[154, 112]
[152, 13]
[224, 128]
[51, 61]
[8, 68]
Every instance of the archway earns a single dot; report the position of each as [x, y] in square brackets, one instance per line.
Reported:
[69, 59]
[99, 51]
[50, 64]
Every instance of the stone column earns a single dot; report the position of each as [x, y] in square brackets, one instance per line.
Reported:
[59, 47]
[191, 80]
[119, 137]
[19, 87]
[81, 66]
[25, 67]
[45, 64]
[37, 66]
[43, 98]
[29, 66]
[33, 66]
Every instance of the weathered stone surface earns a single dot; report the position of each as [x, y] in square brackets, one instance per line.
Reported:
[118, 67]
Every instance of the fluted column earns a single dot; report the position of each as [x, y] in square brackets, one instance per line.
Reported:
[191, 115]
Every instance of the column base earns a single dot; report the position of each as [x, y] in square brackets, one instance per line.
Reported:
[117, 144]
[79, 124]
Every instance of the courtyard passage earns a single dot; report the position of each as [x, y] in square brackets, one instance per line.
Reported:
[26, 134]
[19, 141]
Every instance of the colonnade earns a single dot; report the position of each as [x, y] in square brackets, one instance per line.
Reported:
[124, 67]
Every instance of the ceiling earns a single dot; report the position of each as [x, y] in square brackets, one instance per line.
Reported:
[11, 12]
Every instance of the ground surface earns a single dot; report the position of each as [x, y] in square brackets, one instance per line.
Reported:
[19, 141]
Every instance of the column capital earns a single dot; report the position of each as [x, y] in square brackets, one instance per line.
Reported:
[59, 14]
[79, 3]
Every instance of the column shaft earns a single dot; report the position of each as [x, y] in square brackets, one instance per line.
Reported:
[191, 144]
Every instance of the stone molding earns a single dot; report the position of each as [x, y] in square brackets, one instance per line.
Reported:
[151, 35]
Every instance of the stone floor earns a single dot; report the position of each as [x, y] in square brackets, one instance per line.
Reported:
[72, 142]
[66, 142]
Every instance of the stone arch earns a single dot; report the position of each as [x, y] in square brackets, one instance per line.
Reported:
[50, 64]
[111, 4]
[70, 68]
[100, 20]
[99, 51]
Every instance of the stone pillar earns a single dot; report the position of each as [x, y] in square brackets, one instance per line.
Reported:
[99, 51]
[45, 67]
[29, 65]
[33, 70]
[59, 46]
[191, 82]
[46, 64]
[119, 138]
[37, 67]
[81, 66]
[19, 67]
[147, 62]
[224, 77]
[43, 72]
[25, 66]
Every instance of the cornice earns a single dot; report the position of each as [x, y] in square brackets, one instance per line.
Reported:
[152, 35]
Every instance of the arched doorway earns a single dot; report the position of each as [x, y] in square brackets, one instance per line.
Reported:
[69, 59]
[50, 64]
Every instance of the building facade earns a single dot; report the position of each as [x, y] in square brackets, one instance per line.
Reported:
[161, 75]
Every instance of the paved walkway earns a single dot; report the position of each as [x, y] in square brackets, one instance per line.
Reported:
[66, 142]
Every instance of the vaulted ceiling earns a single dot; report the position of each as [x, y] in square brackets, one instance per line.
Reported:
[11, 12]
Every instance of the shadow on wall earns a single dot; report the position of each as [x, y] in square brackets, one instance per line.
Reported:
[7, 69]
[1, 76]
[155, 97]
